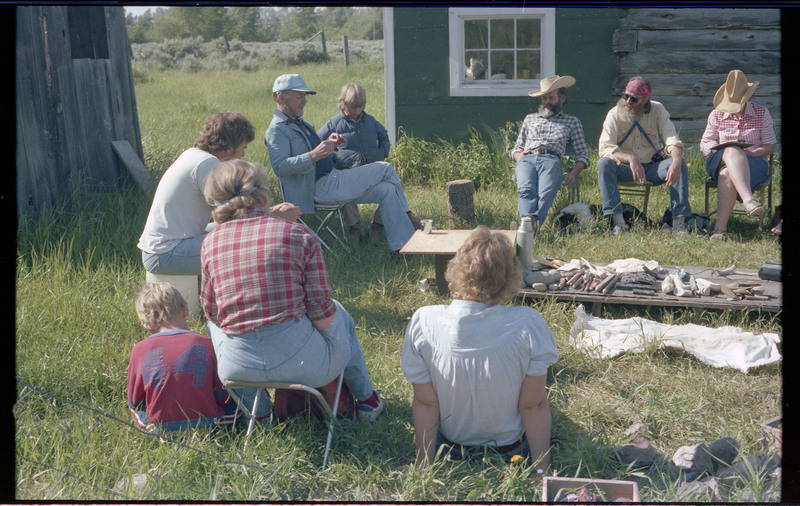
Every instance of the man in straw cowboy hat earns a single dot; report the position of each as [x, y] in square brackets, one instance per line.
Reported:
[738, 139]
[540, 145]
[630, 150]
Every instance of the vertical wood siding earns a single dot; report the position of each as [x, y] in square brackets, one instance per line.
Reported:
[69, 110]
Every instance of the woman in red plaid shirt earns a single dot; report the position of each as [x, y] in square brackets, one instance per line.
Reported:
[740, 167]
[267, 296]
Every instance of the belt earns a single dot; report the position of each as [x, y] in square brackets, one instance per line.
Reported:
[544, 150]
[473, 448]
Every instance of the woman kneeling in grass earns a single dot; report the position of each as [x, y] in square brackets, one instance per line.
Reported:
[478, 368]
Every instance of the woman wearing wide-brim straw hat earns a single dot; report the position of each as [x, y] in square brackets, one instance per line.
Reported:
[738, 169]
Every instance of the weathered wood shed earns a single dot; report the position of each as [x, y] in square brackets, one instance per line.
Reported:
[74, 96]
[686, 53]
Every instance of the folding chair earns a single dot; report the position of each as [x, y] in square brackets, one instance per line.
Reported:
[323, 213]
[631, 189]
[766, 185]
[230, 385]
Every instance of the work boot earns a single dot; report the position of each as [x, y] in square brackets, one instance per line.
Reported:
[374, 232]
[414, 221]
[354, 233]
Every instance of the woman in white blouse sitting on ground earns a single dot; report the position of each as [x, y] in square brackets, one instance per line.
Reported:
[478, 368]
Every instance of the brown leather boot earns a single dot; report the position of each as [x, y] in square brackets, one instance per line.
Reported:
[374, 232]
[414, 221]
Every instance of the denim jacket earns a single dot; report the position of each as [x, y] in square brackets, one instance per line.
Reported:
[290, 160]
[366, 140]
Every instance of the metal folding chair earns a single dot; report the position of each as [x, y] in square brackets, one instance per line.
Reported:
[230, 385]
[766, 185]
[323, 213]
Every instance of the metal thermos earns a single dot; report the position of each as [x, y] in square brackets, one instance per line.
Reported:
[524, 242]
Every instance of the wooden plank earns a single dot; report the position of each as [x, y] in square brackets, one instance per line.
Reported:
[702, 85]
[125, 117]
[677, 62]
[668, 19]
[688, 107]
[773, 289]
[442, 242]
[709, 40]
[135, 166]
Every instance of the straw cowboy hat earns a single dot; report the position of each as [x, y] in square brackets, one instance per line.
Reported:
[734, 94]
[552, 83]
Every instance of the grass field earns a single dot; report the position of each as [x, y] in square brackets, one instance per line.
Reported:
[78, 269]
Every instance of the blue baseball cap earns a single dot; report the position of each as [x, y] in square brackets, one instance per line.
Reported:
[291, 82]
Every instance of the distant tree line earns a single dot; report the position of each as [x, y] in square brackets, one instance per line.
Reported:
[255, 24]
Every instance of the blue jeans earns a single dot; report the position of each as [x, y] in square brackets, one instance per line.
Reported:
[183, 259]
[456, 453]
[375, 182]
[538, 179]
[293, 352]
[608, 173]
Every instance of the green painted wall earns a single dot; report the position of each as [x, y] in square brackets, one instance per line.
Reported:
[424, 108]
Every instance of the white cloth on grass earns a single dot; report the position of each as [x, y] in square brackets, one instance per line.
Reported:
[718, 347]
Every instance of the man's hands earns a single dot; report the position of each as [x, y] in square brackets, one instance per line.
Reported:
[286, 210]
[572, 177]
[326, 147]
[323, 149]
[673, 173]
[520, 154]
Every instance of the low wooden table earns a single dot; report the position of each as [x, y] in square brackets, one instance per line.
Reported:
[443, 244]
[772, 289]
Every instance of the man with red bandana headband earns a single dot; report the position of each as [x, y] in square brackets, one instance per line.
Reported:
[630, 150]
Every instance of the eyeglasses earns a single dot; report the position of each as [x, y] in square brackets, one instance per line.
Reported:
[627, 97]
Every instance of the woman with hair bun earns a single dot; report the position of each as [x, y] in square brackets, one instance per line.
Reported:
[267, 296]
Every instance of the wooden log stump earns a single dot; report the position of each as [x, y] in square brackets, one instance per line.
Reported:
[459, 201]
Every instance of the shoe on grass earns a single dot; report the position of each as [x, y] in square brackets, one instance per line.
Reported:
[370, 410]
[354, 234]
[619, 229]
[752, 207]
[414, 221]
[374, 232]
[719, 235]
[680, 229]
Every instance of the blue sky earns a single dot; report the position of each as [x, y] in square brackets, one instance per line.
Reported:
[138, 11]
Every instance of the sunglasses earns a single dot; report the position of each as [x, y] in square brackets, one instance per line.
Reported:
[627, 97]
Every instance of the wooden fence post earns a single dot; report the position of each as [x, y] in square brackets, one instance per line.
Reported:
[459, 201]
[346, 51]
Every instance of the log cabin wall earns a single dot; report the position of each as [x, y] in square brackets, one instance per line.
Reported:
[686, 55]
[74, 95]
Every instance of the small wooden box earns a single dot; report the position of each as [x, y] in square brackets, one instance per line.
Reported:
[773, 434]
[610, 489]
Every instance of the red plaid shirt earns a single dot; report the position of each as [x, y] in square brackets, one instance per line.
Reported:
[755, 127]
[258, 269]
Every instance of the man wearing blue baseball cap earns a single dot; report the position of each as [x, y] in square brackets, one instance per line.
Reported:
[305, 166]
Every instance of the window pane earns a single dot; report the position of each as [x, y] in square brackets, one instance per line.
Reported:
[529, 65]
[529, 33]
[502, 65]
[502, 31]
[476, 34]
[476, 65]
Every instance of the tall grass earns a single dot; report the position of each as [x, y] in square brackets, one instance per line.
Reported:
[78, 269]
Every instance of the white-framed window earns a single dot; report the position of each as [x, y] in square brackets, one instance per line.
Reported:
[500, 52]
